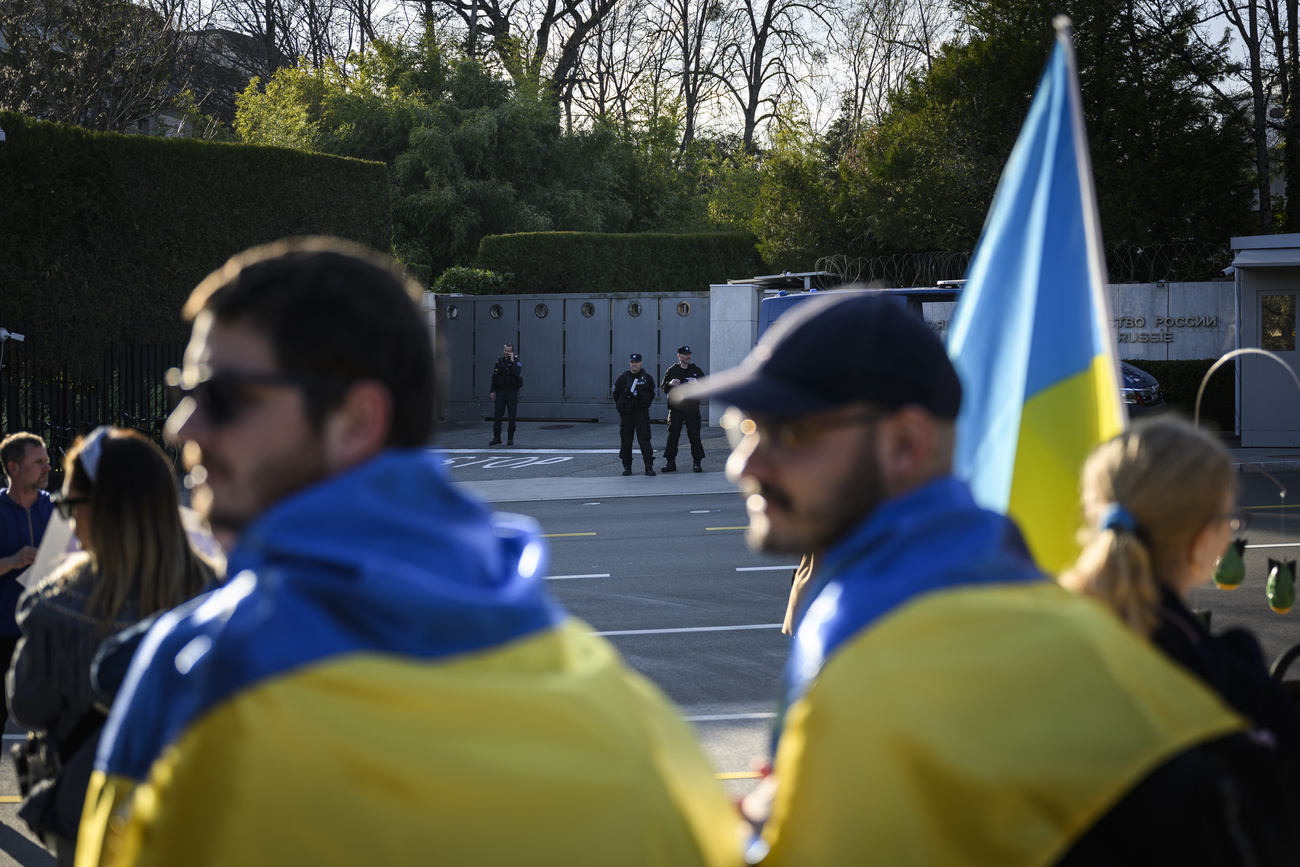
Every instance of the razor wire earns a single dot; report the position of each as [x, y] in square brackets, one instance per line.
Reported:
[1125, 263]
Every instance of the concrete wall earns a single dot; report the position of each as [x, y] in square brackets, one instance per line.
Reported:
[733, 330]
[1152, 321]
[1158, 321]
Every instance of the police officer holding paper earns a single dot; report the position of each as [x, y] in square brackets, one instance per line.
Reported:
[687, 414]
[634, 391]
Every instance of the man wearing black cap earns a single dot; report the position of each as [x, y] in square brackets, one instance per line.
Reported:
[687, 414]
[966, 709]
[634, 391]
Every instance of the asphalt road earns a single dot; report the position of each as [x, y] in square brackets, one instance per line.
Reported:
[660, 565]
[671, 582]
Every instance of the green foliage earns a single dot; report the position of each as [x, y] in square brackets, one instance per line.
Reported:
[578, 262]
[794, 218]
[1168, 168]
[368, 113]
[473, 281]
[102, 236]
[492, 162]
[195, 123]
[730, 182]
[1179, 381]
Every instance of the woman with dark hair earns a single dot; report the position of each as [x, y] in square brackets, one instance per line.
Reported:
[120, 493]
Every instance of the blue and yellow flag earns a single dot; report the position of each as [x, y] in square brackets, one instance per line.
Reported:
[1031, 337]
[385, 680]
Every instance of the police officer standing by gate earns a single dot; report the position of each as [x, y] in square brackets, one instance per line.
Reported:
[507, 379]
[687, 414]
[634, 391]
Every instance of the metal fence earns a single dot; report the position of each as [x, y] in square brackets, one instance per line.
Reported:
[58, 405]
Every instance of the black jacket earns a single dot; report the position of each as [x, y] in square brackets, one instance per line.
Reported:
[507, 374]
[686, 374]
[1230, 801]
[633, 391]
[1232, 664]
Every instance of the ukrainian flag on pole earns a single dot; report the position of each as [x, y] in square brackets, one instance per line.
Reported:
[1031, 337]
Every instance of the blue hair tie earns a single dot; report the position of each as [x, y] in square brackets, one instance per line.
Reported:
[1116, 517]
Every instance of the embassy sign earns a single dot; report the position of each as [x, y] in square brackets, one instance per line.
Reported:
[1158, 321]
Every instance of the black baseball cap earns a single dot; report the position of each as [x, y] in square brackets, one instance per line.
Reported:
[636, 356]
[838, 349]
[683, 350]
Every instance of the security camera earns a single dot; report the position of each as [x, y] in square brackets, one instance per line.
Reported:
[9, 335]
[1229, 271]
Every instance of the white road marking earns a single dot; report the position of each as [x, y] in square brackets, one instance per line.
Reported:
[764, 568]
[566, 577]
[511, 450]
[700, 511]
[499, 461]
[690, 629]
[726, 717]
[1277, 545]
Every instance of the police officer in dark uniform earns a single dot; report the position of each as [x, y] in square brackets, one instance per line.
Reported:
[507, 379]
[634, 391]
[687, 414]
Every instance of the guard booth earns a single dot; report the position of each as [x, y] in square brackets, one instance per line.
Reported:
[572, 348]
[1268, 280]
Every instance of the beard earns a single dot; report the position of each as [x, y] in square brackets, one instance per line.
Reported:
[229, 499]
[781, 523]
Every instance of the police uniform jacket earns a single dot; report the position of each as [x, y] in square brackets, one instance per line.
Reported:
[507, 374]
[686, 374]
[633, 391]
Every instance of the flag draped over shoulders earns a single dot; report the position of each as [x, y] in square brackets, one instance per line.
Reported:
[385, 680]
[1031, 337]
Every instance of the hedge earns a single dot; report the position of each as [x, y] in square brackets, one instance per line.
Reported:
[472, 281]
[588, 262]
[102, 236]
[1179, 381]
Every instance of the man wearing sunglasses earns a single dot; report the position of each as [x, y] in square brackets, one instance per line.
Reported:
[25, 511]
[384, 678]
[943, 701]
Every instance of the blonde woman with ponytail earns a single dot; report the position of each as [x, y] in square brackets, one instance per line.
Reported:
[1159, 508]
[120, 493]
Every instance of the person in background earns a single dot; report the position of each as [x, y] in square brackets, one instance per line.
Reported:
[25, 511]
[136, 559]
[385, 679]
[944, 702]
[507, 379]
[1160, 505]
[634, 391]
[687, 415]
[800, 583]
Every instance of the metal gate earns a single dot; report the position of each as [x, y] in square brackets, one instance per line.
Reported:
[572, 348]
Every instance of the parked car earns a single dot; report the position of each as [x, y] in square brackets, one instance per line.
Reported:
[1141, 391]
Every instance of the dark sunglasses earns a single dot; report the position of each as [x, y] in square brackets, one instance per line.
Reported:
[223, 395]
[65, 503]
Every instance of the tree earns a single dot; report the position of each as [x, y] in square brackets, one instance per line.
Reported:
[1168, 166]
[794, 217]
[696, 31]
[367, 113]
[99, 65]
[613, 64]
[530, 37]
[772, 48]
[882, 44]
